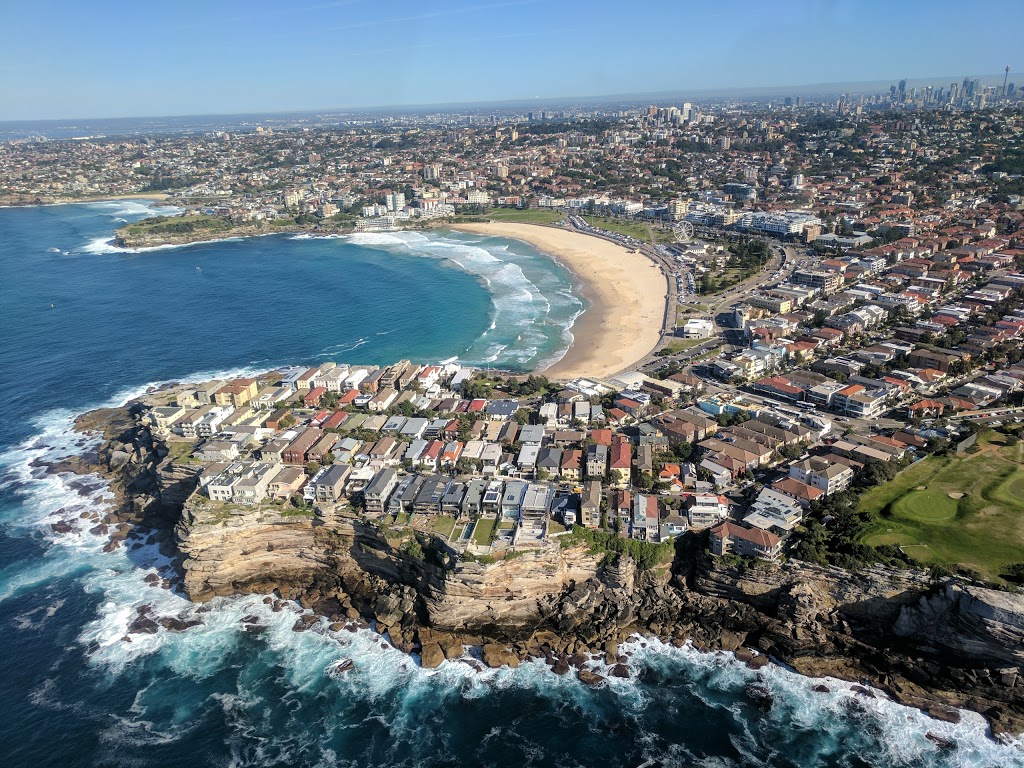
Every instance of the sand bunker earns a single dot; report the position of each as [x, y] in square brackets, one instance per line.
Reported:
[955, 495]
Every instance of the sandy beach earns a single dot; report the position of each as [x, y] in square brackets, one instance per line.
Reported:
[625, 292]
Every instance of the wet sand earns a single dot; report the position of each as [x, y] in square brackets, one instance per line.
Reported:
[625, 293]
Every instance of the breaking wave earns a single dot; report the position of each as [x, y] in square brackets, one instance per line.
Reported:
[532, 309]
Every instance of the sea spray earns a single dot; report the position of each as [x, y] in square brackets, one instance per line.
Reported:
[243, 688]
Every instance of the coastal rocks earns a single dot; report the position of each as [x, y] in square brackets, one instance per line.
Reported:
[495, 656]
[117, 459]
[946, 714]
[966, 619]
[926, 646]
[175, 624]
[247, 549]
[340, 667]
[431, 655]
[590, 678]
[761, 697]
[142, 624]
[503, 598]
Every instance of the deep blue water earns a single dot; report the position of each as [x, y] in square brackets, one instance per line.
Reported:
[74, 692]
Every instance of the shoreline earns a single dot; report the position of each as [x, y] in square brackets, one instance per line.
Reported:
[704, 629]
[621, 324]
[40, 202]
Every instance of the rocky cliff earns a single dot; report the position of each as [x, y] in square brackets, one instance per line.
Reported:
[929, 645]
[133, 237]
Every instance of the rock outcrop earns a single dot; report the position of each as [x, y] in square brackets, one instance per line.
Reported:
[234, 549]
[933, 646]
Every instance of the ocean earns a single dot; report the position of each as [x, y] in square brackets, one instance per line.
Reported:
[84, 325]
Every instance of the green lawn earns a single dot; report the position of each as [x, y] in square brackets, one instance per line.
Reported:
[443, 525]
[680, 345]
[482, 531]
[402, 518]
[525, 216]
[181, 452]
[983, 530]
[629, 228]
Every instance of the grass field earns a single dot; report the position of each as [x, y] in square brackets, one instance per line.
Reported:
[680, 345]
[629, 228]
[984, 529]
[482, 531]
[527, 216]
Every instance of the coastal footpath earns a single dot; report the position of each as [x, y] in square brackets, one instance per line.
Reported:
[936, 645]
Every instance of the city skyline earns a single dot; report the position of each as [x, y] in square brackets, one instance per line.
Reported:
[133, 62]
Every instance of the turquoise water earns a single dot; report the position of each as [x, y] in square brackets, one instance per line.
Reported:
[75, 692]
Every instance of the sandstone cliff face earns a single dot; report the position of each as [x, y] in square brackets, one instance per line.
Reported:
[925, 644]
[231, 549]
[970, 621]
[506, 595]
[176, 482]
[228, 549]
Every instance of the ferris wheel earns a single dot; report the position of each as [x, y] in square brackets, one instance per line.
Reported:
[683, 231]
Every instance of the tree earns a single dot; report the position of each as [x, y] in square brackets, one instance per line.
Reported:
[1014, 572]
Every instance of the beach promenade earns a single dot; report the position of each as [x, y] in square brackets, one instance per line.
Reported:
[625, 293]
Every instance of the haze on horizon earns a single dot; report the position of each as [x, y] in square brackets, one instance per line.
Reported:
[65, 60]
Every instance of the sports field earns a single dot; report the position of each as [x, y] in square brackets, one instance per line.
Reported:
[956, 510]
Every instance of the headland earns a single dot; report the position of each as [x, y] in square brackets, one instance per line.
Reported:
[421, 551]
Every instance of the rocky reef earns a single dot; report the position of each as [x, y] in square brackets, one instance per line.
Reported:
[938, 646]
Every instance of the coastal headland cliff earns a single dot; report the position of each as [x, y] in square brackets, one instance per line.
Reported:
[936, 645]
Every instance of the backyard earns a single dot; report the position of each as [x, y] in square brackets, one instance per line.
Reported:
[956, 510]
[482, 531]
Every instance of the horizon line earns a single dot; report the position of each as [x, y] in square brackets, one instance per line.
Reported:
[595, 100]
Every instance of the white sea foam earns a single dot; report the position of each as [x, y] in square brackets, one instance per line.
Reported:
[304, 659]
[519, 303]
[102, 245]
[842, 713]
[129, 207]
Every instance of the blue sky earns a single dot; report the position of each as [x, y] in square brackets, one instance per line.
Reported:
[73, 58]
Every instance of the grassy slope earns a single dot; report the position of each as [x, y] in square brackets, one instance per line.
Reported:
[632, 229]
[983, 530]
[528, 216]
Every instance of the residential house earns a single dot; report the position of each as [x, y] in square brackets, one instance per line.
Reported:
[732, 538]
